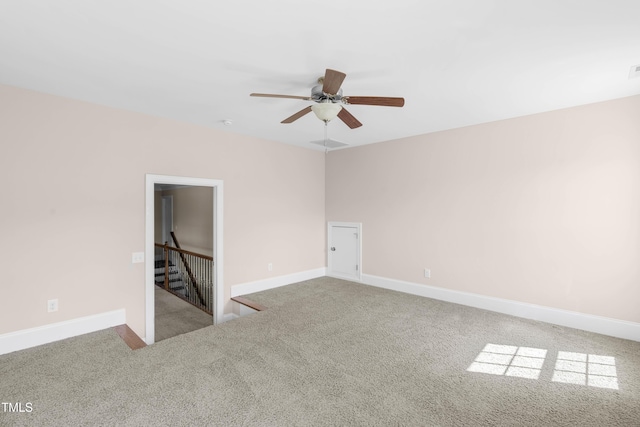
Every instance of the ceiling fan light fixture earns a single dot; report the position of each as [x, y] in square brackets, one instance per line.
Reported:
[326, 111]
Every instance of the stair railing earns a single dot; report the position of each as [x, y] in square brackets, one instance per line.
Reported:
[190, 278]
[187, 268]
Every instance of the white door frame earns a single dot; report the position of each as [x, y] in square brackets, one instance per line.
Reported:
[218, 283]
[357, 225]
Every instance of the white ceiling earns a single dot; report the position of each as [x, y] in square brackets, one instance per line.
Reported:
[456, 62]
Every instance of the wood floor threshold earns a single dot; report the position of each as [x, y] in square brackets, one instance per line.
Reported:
[249, 303]
[130, 338]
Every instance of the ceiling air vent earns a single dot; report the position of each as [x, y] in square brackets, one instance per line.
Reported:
[634, 72]
[330, 143]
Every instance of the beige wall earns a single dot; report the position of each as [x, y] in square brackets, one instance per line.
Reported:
[73, 204]
[543, 209]
[192, 218]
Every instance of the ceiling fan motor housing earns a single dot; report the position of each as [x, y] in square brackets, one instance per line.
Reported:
[319, 96]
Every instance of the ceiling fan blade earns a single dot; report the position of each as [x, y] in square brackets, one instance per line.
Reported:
[348, 119]
[332, 81]
[297, 115]
[271, 95]
[374, 100]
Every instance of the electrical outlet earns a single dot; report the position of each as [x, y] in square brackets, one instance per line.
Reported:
[52, 305]
[427, 273]
[270, 267]
[137, 257]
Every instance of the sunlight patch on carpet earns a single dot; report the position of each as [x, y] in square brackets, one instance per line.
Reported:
[525, 362]
[508, 360]
[586, 369]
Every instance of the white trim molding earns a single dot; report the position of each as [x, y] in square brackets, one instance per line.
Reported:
[229, 317]
[276, 282]
[32, 337]
[586, 322]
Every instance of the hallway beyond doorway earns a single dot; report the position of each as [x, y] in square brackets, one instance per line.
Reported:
[175, 316]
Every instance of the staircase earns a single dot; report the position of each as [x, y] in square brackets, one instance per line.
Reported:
[176, 283]
[186, 274]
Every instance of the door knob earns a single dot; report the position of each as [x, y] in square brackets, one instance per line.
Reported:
[333, 248]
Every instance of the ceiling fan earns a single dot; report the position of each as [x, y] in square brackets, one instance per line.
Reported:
[329, 100]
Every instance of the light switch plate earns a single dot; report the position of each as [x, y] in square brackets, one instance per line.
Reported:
[137, 257]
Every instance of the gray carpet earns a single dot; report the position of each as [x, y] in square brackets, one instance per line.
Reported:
[326, 352]
[175, 316]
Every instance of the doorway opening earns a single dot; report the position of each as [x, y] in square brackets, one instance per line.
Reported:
[183, 261]
[210, 241]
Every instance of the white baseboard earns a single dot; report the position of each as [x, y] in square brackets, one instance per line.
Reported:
[32, 337]
[572, 319]
[229, 316]
[275, 282]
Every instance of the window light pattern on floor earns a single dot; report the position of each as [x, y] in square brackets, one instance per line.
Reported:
[586, 369]
[508, 360]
